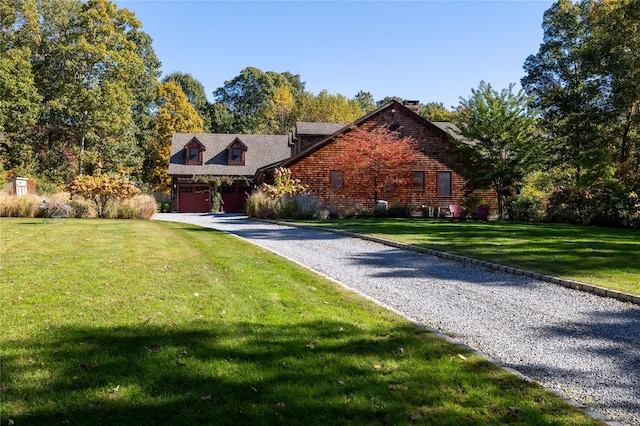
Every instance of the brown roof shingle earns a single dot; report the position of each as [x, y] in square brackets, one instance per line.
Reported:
[262, 150]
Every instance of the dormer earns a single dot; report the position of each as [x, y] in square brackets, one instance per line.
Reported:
[236, 151]
[193, 150]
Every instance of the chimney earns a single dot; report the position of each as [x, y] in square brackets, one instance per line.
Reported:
[412, 105]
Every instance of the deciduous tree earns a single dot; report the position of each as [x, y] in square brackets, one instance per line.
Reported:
[436, 111]
[175, 115]
[194, 90]
[327, 108]
[502, 142]
[249, 95]
[19, 98]
[376, 158]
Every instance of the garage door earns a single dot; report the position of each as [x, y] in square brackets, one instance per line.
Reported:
[193, 199]
[233, 198]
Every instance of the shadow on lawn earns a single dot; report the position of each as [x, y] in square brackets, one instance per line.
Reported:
[246, 373]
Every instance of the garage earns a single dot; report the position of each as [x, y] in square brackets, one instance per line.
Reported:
[193, 199]
[233, 198]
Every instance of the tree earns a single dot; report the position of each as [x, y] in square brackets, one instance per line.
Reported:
[19, 98]
[388, 99]
[145, 89]
[194, 90]
[504, 142]
[278, 112]
[376, 158]
[586, 82]
[366, 100]
[615, 57]
[327, 108]
[436, 111]
[566, 93]
[85, 68]
[248, 98]
[175, 115]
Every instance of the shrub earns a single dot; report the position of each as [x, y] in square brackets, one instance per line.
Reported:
[471, 202]
[101, 190]
[24, 206]
[81, 207]
[310, 207]
[285, 199]
[141, 206]
[401, 211]
[261, 205]
[525, 208]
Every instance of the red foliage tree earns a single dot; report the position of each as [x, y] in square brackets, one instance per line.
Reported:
[376, 158]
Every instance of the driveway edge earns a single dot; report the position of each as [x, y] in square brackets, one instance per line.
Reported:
[575, 285]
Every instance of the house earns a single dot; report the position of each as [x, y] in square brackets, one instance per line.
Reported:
[205, 166]
[437, 180]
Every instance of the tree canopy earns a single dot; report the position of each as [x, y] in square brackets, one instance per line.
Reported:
[175, 115]
[377, 158]
[503, 143]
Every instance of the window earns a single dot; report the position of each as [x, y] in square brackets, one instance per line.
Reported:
[194, 151]
[194, 154]
[337, 179]
[236, 155]
[418, 181]
[444, 184]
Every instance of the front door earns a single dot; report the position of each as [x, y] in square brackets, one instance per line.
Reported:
[193, 199]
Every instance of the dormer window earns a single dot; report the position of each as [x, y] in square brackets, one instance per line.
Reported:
[237, 152]
[236, 155]
[194, 150]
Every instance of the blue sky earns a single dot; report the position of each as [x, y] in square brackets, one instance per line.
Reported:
[431, 51]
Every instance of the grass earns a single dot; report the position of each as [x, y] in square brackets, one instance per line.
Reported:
[608, 257]
[142, 323]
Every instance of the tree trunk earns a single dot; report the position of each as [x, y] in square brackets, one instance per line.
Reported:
[624, 146]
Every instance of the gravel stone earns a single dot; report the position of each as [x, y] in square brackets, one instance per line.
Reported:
[582, 346]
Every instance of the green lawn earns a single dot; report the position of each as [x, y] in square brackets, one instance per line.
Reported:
[608, 257]
[141, 323]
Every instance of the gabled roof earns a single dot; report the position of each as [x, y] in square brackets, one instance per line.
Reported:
[395, 105]
[195, 140]
[237, 141]
[308, 128]
[261, 150]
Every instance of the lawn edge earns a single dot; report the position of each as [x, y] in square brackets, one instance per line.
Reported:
[575, 285]
[582, 407]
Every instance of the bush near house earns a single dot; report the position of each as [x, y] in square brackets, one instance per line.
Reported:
[285, 199]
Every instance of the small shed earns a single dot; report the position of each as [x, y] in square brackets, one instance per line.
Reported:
[18, 186]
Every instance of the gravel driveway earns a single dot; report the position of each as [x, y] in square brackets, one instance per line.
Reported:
[582, 346]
